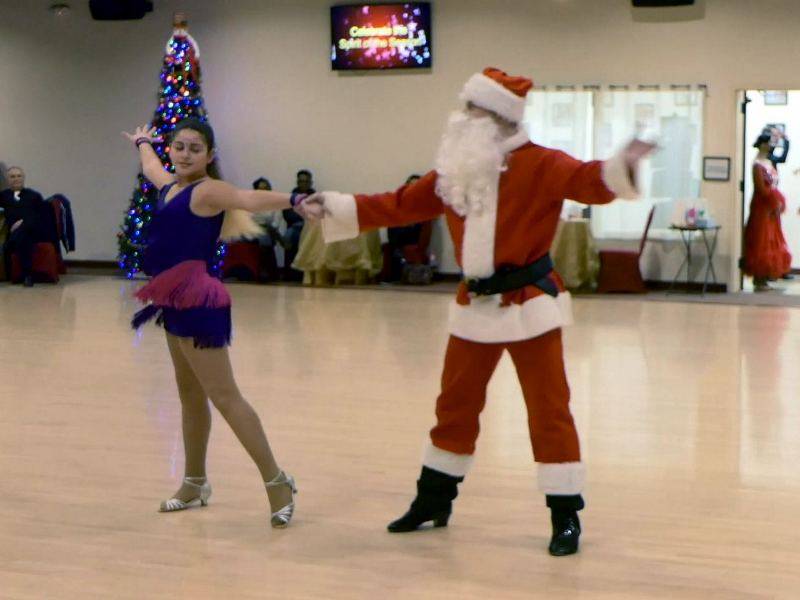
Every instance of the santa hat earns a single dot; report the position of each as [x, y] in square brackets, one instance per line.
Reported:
[498, 92]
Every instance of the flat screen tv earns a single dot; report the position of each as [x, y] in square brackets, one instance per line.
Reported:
[381, 36]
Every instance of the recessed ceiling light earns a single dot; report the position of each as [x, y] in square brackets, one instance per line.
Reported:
[60, 9]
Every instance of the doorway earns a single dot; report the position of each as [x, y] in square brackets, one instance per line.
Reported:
[779, 109]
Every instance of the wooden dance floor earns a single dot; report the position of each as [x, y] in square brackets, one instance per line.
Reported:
[689, 417]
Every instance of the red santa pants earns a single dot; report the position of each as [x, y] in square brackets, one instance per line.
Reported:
[539, 362]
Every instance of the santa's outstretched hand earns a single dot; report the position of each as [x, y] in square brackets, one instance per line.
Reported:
[635, 151]
[312, 208]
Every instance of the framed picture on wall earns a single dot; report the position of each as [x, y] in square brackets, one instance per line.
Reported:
[776, 97]
[716, 168]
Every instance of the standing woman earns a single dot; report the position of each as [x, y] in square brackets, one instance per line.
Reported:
[194, 211]
[775, 136]
[765, 253]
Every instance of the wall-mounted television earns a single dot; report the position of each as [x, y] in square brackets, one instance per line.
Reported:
[381, 36]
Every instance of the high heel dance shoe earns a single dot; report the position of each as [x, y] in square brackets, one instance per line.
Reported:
[203, 494]
[280, 518]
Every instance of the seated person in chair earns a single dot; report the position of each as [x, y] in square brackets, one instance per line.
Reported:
[268, 270]
[408, 245]
[294, 226]
[21, 207]
[271, 234]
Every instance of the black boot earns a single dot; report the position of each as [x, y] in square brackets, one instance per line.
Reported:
[566, 525]
[434, 502]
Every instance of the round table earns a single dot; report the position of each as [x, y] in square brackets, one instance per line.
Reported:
[575, 255]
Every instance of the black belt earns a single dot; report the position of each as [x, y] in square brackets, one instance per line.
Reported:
[507, 279]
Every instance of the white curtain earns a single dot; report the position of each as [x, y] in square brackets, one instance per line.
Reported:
[671, 178]
[562, 120]
[595, 124]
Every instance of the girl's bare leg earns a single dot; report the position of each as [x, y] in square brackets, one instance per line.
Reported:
[196, 419]
[212, 367]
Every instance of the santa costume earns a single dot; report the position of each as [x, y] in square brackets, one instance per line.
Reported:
[502, 197]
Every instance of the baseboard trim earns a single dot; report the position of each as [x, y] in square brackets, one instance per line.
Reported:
[92, 264]
[449, 277]
[652, 284]
[93, 267]
[681, 286]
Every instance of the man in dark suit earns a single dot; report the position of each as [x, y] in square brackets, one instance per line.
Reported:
[294, 226]
[22, 207]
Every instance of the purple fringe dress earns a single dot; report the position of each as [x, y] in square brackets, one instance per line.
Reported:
[182, 295]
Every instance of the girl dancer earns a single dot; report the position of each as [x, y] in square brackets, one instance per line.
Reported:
[194, 211]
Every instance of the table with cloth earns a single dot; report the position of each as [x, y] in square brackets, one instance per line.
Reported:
[575, 255]
[356, 261]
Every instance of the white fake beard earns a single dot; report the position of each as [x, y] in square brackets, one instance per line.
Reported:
[468, 163]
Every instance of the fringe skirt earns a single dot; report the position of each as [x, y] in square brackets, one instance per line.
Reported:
[188, 302]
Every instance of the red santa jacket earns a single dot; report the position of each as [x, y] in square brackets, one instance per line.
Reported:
[516, 227]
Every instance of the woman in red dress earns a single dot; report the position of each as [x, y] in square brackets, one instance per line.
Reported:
[766, 253]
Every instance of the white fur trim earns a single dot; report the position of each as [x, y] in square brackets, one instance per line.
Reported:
[477, 249]
[616, 178]
[562, 479]
[451, 463]
[517, 140]
[485, 321]
[341, 222]
[485, 92]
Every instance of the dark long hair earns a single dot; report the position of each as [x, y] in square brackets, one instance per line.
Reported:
[762, 138]
[204, 129]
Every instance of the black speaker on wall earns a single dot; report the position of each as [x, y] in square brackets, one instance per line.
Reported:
[119, 10]
[661, 3]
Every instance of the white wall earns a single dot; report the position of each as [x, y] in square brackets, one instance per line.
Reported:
[69, 88]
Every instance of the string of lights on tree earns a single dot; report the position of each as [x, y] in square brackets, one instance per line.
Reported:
[179, 98]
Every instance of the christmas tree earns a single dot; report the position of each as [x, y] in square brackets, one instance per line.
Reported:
[179, 97]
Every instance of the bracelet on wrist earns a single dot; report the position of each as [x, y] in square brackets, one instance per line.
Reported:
[296, 198]
[143, 140]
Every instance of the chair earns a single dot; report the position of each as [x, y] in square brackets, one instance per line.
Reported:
[417, 254]
[48, 262]
[249, 261]
[619, 269]
[412, 254]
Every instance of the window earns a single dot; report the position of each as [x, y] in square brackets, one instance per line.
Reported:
[595, 124]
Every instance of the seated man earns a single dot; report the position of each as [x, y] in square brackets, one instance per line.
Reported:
[21, 207]
[294, 226]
